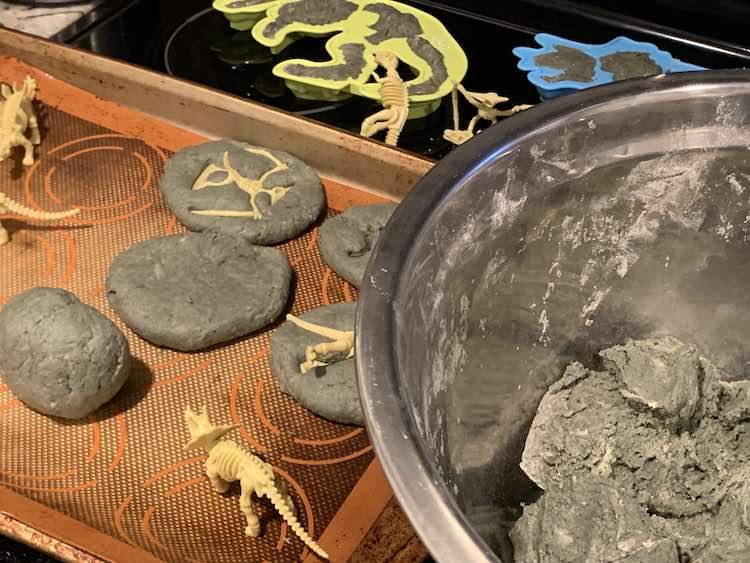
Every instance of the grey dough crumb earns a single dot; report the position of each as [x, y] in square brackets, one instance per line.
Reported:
[630, 64]
[195, 290]
[311, 12]
[291, 214]
[438, 70]
[60, 356]
[580, 518]
[391, 23]
[347, 240]
[354, 63]
[330, 391]
[575, 64]
[658, 444]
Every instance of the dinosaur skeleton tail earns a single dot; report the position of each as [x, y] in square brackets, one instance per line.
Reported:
[286, 513]
[391, 138]
[19, 209]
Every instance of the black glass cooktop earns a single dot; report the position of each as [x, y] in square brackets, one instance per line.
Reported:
[190, 40]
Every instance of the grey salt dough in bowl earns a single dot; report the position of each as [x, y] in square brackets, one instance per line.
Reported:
[195, 290]
[612, 214]
[346, 240]
[60, 356]
[204, 179]
[329, 391]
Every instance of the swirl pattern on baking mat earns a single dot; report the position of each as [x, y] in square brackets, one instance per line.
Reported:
[123, 470]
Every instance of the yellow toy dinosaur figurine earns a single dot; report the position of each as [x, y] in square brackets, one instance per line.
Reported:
[251, 187]
[325, 353]
[485, 103]
[16, 116]
[228, 461]
[395, 100]
[7, 205]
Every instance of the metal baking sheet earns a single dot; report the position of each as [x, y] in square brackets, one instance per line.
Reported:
[123, 472]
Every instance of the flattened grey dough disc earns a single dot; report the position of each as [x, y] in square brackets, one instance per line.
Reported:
[330, 391]
[194, 290]
[60, 356]
[347, 240]
[299, 207]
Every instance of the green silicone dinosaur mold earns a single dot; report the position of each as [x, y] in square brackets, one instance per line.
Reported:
[358, 28]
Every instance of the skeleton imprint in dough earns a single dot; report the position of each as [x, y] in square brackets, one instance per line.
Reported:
[251, 187]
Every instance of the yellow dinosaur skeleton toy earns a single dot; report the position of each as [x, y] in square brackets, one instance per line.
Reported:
[228, 461]
[251, 187]
[340, 348]
[395, 100]
[16, 116]
[485, 103]
[7, 205]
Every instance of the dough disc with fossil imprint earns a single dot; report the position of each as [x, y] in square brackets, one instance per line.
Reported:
[262, 195]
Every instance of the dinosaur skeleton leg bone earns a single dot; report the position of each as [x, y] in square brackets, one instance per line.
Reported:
[219, 484]
[454, 104]
[28, 148]
[34, 135]
[473, 123]
[377, 122]
[253, 522]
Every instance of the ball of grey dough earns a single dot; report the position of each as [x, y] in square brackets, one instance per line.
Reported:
[330, 391]
[347, 240]
[191, 291]
[60, 356]
[299, 207]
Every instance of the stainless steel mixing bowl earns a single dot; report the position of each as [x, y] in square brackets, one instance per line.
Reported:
[618, 212]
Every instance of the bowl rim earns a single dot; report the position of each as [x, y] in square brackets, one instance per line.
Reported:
[427, 502]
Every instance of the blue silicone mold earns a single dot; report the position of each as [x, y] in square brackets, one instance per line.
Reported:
[548, 42]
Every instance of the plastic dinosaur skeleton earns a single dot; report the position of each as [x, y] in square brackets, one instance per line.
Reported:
[485, 103]
[7, 205]
[340, 348]
[394, 97]
[227, 462]
[16, 116]
[250, 187]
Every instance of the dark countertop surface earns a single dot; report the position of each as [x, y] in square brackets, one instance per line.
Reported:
[12, 552]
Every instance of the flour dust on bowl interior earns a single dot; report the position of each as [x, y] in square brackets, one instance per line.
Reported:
[621, 212]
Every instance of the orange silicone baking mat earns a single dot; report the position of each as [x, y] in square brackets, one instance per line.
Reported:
[123, 470]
